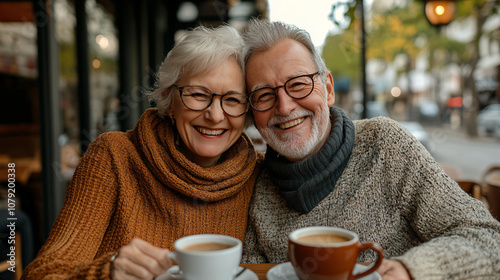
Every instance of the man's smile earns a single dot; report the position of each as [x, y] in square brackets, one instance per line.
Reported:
[291, 123]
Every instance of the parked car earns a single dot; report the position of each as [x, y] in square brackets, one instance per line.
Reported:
[375, 109]
[428, 111]
[496, 131]
[418, 131]
[488, 119]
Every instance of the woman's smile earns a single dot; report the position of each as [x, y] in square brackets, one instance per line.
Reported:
[210, 132]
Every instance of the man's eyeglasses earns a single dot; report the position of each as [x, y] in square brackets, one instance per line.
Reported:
[198, 98]
[298, 87]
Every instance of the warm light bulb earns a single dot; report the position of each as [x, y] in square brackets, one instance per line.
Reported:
[102, 41]
[439, 10]
[395, 92]
[96, 63]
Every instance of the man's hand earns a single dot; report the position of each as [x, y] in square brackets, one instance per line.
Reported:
[393, 270]
[140, 260]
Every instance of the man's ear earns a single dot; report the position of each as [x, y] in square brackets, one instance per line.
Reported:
[330, 92]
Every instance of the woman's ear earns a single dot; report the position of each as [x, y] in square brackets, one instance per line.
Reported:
[172, 116]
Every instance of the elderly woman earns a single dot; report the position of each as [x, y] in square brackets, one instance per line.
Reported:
[186, 168]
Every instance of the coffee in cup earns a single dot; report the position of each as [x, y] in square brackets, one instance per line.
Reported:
[320, 239]
[321, 253]
[207, 256]
[207, 246]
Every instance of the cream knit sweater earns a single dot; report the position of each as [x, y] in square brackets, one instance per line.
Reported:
[394, 193]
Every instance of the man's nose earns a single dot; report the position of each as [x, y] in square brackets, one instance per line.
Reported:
[284, 103]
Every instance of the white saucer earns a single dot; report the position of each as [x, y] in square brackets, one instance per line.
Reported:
[247, 275]
[285, 271]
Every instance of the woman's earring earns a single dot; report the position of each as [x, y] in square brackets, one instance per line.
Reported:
[172, 119]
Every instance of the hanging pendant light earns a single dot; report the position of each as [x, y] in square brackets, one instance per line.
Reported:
[439, 12]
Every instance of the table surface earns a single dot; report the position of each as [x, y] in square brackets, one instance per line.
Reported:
[259, 268]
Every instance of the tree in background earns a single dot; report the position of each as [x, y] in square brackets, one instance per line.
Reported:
[480, 10]
[392, 30]
[396, 28]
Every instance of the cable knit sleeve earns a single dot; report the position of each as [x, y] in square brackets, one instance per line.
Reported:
[461, 238]
[251, 249]
[71, 249]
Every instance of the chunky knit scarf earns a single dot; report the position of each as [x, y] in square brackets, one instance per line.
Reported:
[304, 184]
[156, 141]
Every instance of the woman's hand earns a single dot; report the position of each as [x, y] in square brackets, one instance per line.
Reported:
[393, 270]
[139, 260]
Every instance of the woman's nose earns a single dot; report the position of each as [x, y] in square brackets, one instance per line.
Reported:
[214, 112]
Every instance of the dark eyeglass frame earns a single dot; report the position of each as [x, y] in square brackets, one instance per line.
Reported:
[181, 88]
[275, 89]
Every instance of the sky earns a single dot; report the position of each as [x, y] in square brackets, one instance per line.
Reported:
[306, 14]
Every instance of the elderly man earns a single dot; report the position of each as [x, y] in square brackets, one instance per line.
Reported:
[370, 176]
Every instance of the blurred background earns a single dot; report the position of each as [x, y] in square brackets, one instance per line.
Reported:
[73, 69]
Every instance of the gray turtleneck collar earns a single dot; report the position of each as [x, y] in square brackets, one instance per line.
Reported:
[304, 184]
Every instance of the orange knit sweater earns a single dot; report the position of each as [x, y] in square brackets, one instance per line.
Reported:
[137, 184]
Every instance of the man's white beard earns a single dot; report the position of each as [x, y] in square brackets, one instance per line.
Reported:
[298, 145]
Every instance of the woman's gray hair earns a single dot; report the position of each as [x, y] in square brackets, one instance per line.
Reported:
[198, 52]
[261, 35]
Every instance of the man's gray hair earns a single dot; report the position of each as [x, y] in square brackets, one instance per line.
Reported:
[261, 35]
[198, 52]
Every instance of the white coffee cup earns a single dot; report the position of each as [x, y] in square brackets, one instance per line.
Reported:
[201, 258]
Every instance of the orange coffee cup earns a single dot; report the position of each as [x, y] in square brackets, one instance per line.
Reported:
[320, 253]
